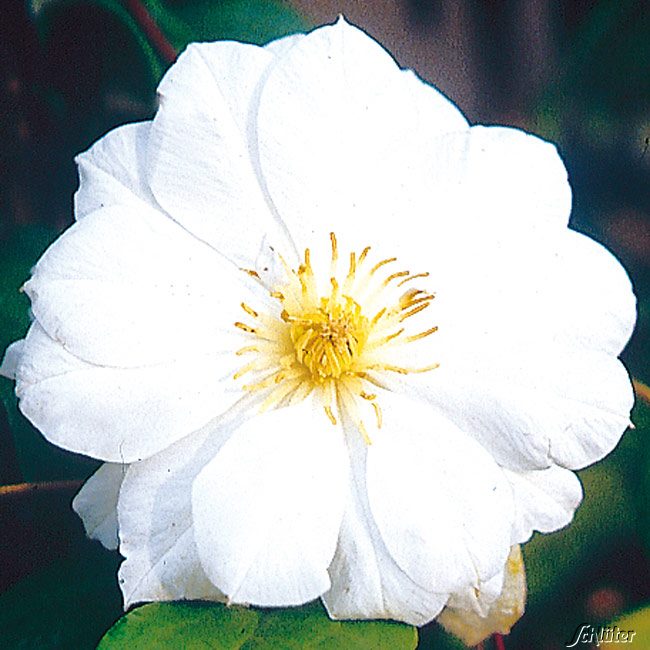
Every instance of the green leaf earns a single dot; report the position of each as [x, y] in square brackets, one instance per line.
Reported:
[637, 622]
[199, 625]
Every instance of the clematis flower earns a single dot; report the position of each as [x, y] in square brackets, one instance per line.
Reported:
[329, 339]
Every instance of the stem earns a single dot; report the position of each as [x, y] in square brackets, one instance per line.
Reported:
[22, 489]
[642, 391]
[149, 26]
[499, 643]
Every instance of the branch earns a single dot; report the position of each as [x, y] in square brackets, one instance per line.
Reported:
[153, 32]
[642, 391]
[23, 489]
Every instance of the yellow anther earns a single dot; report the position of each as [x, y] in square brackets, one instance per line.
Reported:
[246, 328]
[330, 415]
[249, 310]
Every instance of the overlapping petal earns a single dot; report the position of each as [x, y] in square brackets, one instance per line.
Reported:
[446, 523]
[120, 415]
[545, 500]
[128, 288]
[532, 410]
[366, 580]
[112, 171]
[96, 504]
[267, 509]
[156, 526]
[199, 157]
[11, 358]
[341, 132]
[406, 544]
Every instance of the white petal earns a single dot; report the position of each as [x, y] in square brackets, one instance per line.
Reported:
[155, 518]
[267, 509]
[441, 504]
[594, 296]
[280, 46]
[118, 415]
[112, 171]
[343, 134]
[434, 111]
[545, 288]
[96, 503]
[503, 177]
[126, 287]
[473, 616]
[526, 350]
[592, 412]
[11, 358]
[199, 160]
[545, 500]
[568, 290]
[366, 581]
[532, 408]
[477, 600]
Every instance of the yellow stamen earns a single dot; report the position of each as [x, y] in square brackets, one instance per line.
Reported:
[394, 276]
[246, 328]
[249, 310]
[330, 415]
[415, 310]
[248, 348]
[413, 277]
[364, 254]
[377, 266]
[378, 414]
[421, 335]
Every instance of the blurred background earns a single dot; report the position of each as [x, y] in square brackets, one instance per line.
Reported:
[576, 72]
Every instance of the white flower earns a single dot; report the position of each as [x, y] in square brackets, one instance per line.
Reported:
[286, 411]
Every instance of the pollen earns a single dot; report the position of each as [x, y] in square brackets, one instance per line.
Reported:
[334, 336]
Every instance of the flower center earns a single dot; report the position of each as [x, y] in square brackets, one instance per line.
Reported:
[339, 344]
[328, 339]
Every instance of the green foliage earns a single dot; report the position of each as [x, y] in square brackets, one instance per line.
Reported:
[199, 625]
[251, 21]
[640, 480]
[37, 459]
[17, 256]
[48, 13]
[254, 21]
[65, 605]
